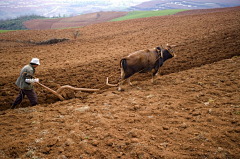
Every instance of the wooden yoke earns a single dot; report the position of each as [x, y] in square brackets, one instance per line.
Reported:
[57, 93]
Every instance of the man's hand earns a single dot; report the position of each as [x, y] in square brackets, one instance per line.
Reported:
[37, 80]
[32, 80]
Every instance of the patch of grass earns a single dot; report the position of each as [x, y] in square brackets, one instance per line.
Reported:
[211, 100]
[3, 31]
[144, 14]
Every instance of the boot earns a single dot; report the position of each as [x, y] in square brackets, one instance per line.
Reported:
[13, 106]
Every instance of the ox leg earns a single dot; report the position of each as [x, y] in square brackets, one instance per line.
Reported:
[122, 76]
[129, 81]
[120, 85]
[155, 74]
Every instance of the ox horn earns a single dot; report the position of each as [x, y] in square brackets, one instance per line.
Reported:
[167, 45]
[162, 47]
[112, 85]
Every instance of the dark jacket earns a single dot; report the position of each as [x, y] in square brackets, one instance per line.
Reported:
[27, 72]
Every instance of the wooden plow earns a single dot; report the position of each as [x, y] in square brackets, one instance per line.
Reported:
[112, 85]
[61, 88]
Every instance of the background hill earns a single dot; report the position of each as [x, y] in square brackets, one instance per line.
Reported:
[17, 24]
[93, 18]
[78, 13]
[68, 8]
[100, 17]
[187, 4]
[76, 21]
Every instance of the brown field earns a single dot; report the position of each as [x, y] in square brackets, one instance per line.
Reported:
[77, 21]
[191, 111]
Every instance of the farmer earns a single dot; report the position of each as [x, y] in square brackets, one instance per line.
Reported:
[24, 82]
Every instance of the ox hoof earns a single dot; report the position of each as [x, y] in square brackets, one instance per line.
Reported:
[152, 81]
[120, 89]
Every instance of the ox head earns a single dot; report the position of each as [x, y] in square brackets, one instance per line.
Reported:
[169, 48]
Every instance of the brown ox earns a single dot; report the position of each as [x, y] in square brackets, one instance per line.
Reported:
[143, 61]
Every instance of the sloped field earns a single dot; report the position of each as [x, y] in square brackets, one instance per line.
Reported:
[191, 111]
[77, 21]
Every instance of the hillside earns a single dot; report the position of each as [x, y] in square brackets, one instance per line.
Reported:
[17, 24]
[100, 17]
[67, 8]
[190, 111]
[76, 21]
[193, 4]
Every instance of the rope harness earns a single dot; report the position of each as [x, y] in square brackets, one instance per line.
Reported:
[171, 52]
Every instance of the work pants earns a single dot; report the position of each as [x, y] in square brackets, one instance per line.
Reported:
[32, 96]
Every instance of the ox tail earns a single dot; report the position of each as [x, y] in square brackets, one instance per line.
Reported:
[123, 64]
[127, 72]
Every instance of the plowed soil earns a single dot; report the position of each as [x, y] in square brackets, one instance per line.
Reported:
[77, 21]
[192, 110]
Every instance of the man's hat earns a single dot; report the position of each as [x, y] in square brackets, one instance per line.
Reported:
[35, 61]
